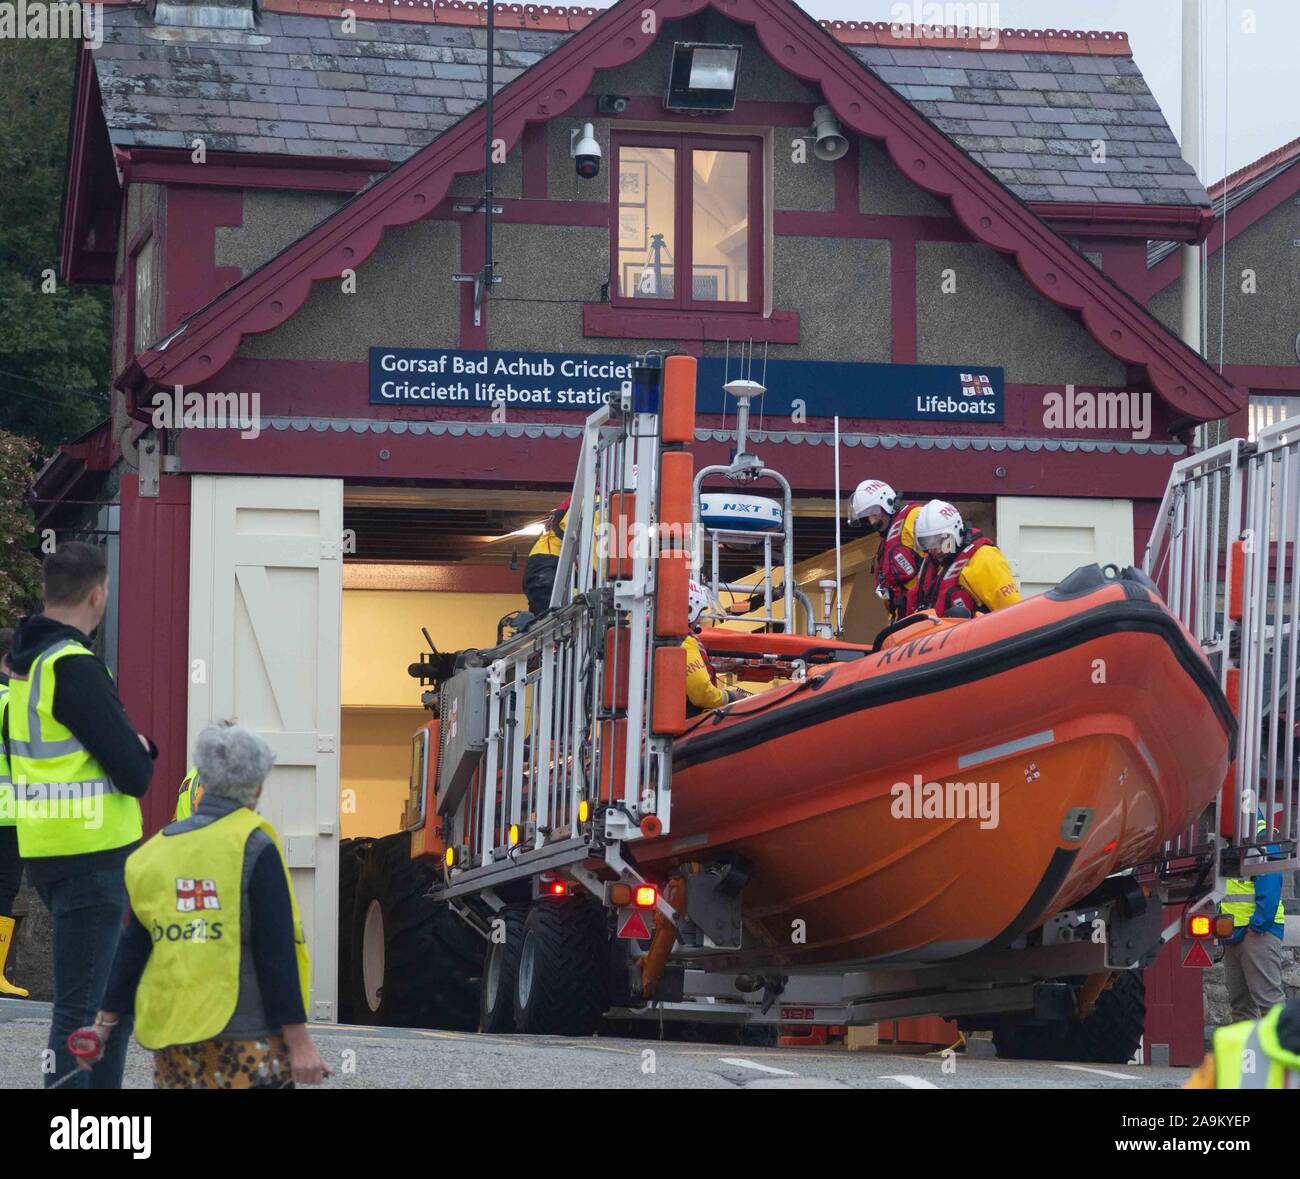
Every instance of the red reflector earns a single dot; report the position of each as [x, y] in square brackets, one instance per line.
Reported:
[646, 896]
[634, 926]
[1199, 926]
[1196, 957]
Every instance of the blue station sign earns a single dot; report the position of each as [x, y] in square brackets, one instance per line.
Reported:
[453, 378]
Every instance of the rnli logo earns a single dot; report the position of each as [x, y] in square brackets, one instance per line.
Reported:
[193, 895]
[976, 385]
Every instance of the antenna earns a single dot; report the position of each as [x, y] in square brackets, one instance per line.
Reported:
[485, 279]
[839, 595]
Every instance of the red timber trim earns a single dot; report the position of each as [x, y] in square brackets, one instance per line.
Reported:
[92, 194]
[505, 461]
[324, 391]
[536, 162]
[193, 278]
[1253, 208]
[863, 103]
[1259, 378]
[624, 322]
[1165, 223]
[160, 165]
[153, 595]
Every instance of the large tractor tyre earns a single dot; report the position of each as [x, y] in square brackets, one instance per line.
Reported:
[352, 858]
[1113, 1030]
[500, 972]
[1109, 1035]
[562, 988]
[414, 962]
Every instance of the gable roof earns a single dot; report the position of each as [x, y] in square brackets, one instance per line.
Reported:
[1026, 104]
[204, 343]
[1244, 181]
[1234, 190]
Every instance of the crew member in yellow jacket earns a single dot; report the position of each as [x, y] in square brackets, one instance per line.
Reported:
[962, 570]
[213, 963]
[702, 690]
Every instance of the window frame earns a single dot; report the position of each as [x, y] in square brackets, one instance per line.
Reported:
[684, 142]
[146, 240]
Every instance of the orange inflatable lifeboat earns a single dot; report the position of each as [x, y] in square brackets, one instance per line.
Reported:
[956, 785]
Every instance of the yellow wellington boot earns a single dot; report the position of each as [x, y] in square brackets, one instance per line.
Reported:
[6, 940]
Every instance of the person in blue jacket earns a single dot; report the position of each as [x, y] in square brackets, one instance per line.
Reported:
[1252, 960]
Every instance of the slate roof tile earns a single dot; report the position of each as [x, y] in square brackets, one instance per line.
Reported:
[302, 86]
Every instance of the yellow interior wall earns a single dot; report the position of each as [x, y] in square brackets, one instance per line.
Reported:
[381, 703]
[381, 636]
[374, 767]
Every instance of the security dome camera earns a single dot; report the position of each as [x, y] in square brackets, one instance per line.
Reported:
[585, 151]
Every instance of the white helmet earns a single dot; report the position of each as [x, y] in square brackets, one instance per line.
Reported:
[938, 529]
[697, 601]
[872, 493]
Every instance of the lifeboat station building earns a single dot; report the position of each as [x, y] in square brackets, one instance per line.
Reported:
[329, 430]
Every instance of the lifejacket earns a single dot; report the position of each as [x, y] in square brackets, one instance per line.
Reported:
[938, 586]
[896, 563]
[1249, 1055]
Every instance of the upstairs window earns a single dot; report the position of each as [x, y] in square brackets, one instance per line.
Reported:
[145, 330]
[688, 219]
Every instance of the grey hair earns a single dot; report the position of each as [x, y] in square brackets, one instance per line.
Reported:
[232, 762]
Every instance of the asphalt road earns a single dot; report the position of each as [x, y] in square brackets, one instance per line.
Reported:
[398, 1058]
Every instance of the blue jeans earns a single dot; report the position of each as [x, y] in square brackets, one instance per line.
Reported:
[87, 912]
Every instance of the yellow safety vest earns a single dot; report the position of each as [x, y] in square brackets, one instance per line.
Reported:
[188, 799]
[186, 890]
[1248, 1055]
[7, 813]
[67, 806]
[1244, 887]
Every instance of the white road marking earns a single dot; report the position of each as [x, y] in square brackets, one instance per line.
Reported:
[1101, 1072]
[911, 1082]
[762, 1068]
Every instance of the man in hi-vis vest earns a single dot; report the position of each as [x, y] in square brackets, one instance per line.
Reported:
[79, 769]
[1252, 957]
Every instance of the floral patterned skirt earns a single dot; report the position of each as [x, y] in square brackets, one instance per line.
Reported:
[224, 1064]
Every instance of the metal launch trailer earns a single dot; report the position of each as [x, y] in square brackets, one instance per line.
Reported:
[527, 893]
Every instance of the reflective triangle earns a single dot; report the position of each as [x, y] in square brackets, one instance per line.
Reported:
[634, 926]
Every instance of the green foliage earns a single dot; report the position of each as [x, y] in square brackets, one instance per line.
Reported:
[54, 347]
[20, 571]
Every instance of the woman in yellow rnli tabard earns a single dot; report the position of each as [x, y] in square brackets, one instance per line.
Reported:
[214, 963]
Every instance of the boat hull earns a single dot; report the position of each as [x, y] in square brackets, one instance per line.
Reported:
[952, 792]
